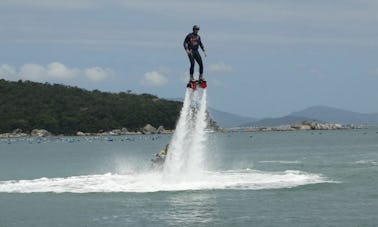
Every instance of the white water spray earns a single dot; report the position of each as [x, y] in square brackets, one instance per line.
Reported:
[186, 150]
[198, 145]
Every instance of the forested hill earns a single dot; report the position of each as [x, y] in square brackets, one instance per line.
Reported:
[63, 109]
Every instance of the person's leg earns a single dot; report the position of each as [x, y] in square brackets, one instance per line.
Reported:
[198, 58]
[191, 70]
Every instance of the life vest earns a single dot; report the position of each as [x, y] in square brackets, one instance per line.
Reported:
[163, 152]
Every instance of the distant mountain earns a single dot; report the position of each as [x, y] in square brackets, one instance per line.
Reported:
[228, 120]
[321, 114]
[334, 115]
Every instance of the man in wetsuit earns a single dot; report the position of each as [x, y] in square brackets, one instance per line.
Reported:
[191, 44]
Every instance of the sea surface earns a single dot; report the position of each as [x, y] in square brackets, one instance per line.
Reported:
[298, 178]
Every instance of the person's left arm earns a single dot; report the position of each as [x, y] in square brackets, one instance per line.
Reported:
[202, 47]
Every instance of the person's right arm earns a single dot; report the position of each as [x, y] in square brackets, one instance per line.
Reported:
[186, 45]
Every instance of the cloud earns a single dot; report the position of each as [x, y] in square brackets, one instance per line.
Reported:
[220, 68]
[98, 74]
[54, 72]
[59, 71]
[7, 72]
[154, 79]
[33, 72]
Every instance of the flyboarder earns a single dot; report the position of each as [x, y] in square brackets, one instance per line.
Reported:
[191, 43]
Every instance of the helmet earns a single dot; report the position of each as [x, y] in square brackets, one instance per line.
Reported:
[196, 27]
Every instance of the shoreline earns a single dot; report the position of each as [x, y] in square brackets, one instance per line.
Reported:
[147, 130]
[299, 127]
[150, 130]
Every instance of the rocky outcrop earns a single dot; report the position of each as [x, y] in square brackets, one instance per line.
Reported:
[149, 129]
[301, 127]
[317, 126]
[162, 130]
[327, 126]
[79, 133]
[13, 135]
[117, 132]
[40, 133]
[18, 133]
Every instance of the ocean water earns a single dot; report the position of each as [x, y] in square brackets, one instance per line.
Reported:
[300, 178]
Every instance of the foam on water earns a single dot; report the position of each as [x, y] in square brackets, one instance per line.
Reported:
[281, 162]
[153, 181]
[370, 162]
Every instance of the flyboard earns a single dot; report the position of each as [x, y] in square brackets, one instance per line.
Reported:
[193, 84]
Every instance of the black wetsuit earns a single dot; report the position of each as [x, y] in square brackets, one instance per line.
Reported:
[192, 42]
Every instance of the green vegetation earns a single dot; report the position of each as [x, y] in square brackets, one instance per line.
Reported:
[63, 109]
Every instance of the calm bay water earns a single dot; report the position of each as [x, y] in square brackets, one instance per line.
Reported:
[303, 178]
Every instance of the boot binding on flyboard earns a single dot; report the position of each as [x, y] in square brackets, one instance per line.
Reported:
[194, 83]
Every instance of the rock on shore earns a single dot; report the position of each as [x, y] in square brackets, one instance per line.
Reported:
[149, 129]
[40, 133]
[19, 133]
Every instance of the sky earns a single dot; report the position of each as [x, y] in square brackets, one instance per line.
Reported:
[265, 58]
